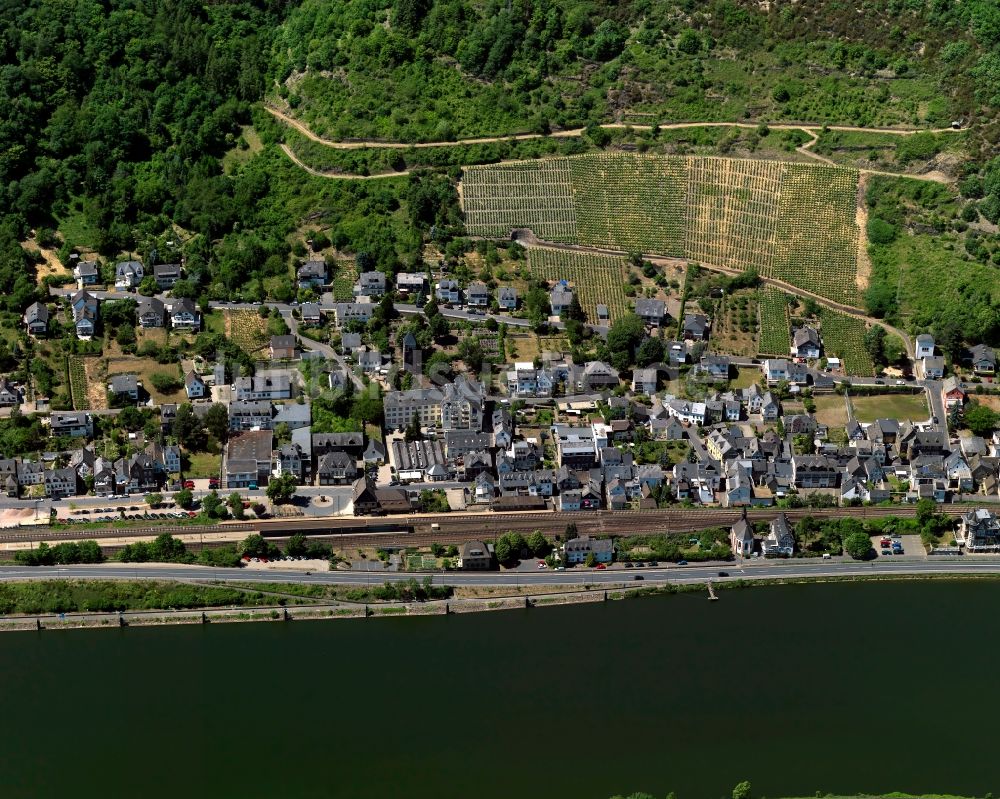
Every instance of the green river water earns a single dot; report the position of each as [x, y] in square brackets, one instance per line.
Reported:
[841, 688]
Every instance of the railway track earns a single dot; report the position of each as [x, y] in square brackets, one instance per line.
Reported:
[459, 527]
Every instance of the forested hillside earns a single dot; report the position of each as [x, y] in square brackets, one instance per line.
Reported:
[133, 125]
[411, 70]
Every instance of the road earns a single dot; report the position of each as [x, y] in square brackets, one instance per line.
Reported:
[761, 570]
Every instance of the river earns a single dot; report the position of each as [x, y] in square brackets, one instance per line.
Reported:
[841, 688]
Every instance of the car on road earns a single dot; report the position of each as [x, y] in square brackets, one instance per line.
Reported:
[682, 563]
[638, 577]
[723, 574]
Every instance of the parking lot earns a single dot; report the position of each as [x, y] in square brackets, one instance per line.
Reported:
[911, 546]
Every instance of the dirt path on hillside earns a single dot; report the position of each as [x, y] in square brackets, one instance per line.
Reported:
[861, 220]
[337, 175]
[361, 144]
[531, 241]
[805, 149]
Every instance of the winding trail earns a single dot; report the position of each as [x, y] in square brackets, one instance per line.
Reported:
[363, 144]
[528, 240]
[371, 144]
[338, 175]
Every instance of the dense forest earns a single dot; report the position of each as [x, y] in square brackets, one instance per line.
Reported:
[123, 122]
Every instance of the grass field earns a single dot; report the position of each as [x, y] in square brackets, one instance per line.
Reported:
[831, 410]
[203, 464]
[791, 221]
[598, 279]
[745, 377]
[890, 406]
[843, 337]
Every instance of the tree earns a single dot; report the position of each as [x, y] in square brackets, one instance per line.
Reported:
[626, 334]
[538, 544]
[981, 419]
[650, 351]
[217, 422]
[153, 499]
[282, 489]
[858, 545]
[574, 311]
[925, 511]
[413, 432]
[211, 503]
[296, 545]
[503, 551]
[742, 790]
[188, 429]
[184, 499]
[235, 503]
[874, 340]
[590, 561]
[253, 545]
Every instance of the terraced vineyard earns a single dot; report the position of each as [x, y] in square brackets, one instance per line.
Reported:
[843, 337]
[533, 194]
[78, 383]
[774, 328]
[606, 191]
[795, 222]
[732, 212]
[816, 242]
[598, 279]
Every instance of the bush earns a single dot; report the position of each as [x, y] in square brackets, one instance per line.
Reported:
[165, 383]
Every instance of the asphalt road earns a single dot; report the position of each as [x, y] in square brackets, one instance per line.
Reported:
[767, 570]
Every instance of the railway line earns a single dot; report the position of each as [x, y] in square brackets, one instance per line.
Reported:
[456, 528]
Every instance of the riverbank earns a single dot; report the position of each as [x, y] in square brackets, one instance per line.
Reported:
[289, 602]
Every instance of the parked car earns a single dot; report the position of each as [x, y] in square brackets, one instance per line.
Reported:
[682, 563]
[189, 484]
[886, 552]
